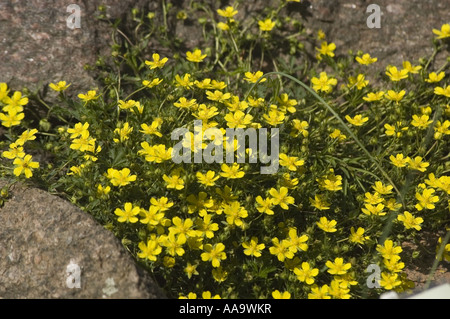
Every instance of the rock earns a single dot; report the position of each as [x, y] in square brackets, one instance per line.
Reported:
[38, 46]
[49, 248]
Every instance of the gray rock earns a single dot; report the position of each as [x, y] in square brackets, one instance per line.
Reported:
[38, 46]
[49, 248]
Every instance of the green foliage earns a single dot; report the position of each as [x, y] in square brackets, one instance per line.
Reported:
[340, 195]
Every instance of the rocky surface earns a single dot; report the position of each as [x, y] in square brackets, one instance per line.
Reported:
[38, 46]
[51, 249]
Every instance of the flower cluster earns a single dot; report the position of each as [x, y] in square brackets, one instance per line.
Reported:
[215, 226]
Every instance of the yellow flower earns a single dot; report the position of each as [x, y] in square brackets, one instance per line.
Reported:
[190, 270]
[396, 131]
[421, 122]
[162, 204]
[286, 104]
[372, 97]
[441, 129]
[207, 179]
[89, 96]
[231, 172]
[218, 96]
[252, 248]
[207, 295]
[323, 83]
[445, 91]
[60, 86]
[214, 254]
[254, 77]
[399, 160]
[411, 69]
[103, 191]
[326, 49]
[28, 135]
[357, 120]
[274, 117]
[319, 202]
[291, 162]
[366, 59]
[276, 294]
[395, 96]
[12, 118]
[78, 130]
[319, 293]
[338, 267]
[150, 250]
[155, 153]
[358, 235]
[264, 206]
[281, 249]
[389, 281]
[444, 32]
[229, 12]
[417, 164]
[373, 210]
[152, 129]
[327, 226]
[128, 214]
[24, 166]
[379, 187]
[157, 61]
[76, 170]
[299, 127]
[152, 83]
[16, 102]
[393, 264]
[409, 221]
[15, 151]
[372, 199]
[266, 25]
[337, 134]
[4, 91]
[426, 199]
[396, 75]
[123, 133]
[388, 250]
[297, 243]
[359, 81]
[120, 178]
[433, 77]
[238, 119]
[184, 81]
[281, 197]
[184, 103]
[306, 274]
[223, 26]
[174, 181]
[195, 56]
[320, 34]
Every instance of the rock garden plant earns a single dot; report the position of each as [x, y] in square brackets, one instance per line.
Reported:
[362, 158]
